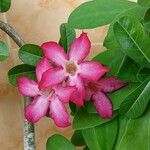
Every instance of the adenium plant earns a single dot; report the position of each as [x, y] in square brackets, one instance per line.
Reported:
[64, 80]
[108, 95]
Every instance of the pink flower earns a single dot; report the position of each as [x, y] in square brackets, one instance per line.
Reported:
[96, 90]
[50, 99]
[71, 67]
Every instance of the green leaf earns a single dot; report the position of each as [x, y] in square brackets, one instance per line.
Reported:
[73, 108]
[110, 41]
[4, 5]
[20, 70]
[30, 54]
[116, 97]
[58, 142]
[136, 135]
[145, 3]
[143, 74]
[133, 40]
[108, 58]
[146, 20]
[97, 13]
[123, 120]
[3, 51]
[121, 66]
[84, 120]
[119, 96]
[90, 108]
[67, 36]
[135, 104]
[128, 71]
[101, 137]
[77, 138]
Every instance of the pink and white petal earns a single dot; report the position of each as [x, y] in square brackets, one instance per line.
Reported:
[78, 95]
[110, 84]
[37, 109]
[58, 112]
[103, 105]
[52, 77]
[55, 53]
[41, 67]
[92, 70]
[80, 48]
[64, 93]
[27, 87]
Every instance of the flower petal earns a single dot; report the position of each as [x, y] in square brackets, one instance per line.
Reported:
[37, 109]
[79, 94]
[102, 105]
[110, 84]
[27, 87]
[80, 48]
[58, 112]
[54, 52]
[64, 93]
[41, 67]
[92, 70]
[52, 77]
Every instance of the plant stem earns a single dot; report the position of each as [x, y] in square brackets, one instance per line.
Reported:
[29, 135]
[12, 33]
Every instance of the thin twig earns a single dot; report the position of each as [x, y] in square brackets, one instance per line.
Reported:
[29, 135]
[12, 33]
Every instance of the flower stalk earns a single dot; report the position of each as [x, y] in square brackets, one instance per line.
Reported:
[29, 135]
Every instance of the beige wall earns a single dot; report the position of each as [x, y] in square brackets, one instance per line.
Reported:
[36, 21]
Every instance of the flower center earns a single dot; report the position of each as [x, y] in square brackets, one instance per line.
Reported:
[93, 86]
[71, 68]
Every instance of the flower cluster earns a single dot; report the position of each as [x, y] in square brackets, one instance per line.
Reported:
[65, 77]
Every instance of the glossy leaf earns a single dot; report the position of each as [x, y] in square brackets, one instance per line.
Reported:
[133, 40]
[143, 74]
[145, 3]
[146, 20]
[110, 41]
[3, 51]
[101, 137]
[67, 36]
[128, 70]
[84, 120]
[73, 108]
[4, 5]
[77, 138]
[121, 66]
[119, 96]
[108, 58]
[30, 54]
[136, 135]
[90, 108]
[116, 97]
[122, 123]
[135, 104]
[93, 13]
[20, 70]
[58, 142]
